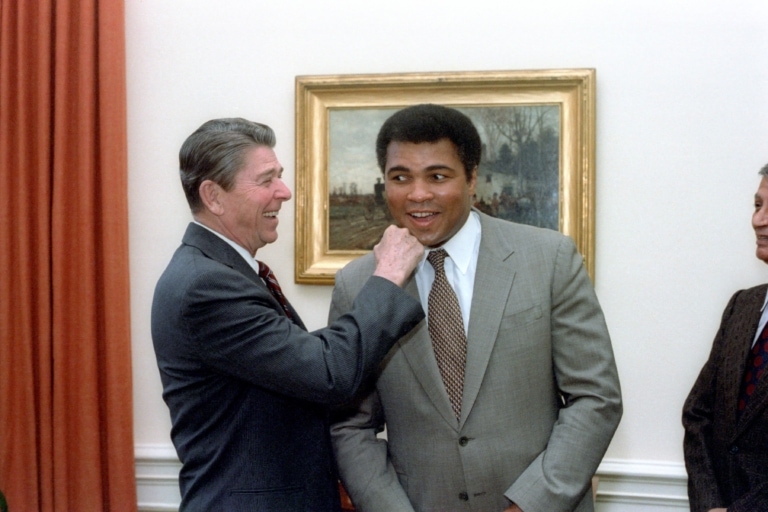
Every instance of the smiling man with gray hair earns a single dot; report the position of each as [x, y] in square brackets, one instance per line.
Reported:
[247, 386]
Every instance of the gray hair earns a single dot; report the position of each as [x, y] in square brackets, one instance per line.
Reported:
[216, 152]
[764, 171]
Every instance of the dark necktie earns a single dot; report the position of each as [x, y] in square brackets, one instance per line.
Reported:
[756, 362]
[274, 287]
[446, 329]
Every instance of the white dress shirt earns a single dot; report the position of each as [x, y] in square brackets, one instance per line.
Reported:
[253, 262]
[763, 320]
[460, 267]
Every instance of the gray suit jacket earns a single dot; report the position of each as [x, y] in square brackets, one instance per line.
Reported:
[541, 394]
[248, 389]
[726, 453]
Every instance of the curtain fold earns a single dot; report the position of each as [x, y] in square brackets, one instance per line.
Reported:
[66, 427]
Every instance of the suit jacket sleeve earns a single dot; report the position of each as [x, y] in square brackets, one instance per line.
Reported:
[231, 324]
[364, 466]
[698, 410]
[588, 383]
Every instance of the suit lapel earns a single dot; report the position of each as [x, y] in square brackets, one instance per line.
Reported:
[219, 250]
[417, 349]
[757, 404]
[493, 281]
[759, 400]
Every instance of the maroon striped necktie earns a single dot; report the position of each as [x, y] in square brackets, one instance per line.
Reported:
[756, 363]
[274, 287]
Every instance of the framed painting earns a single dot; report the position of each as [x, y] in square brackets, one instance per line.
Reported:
[537, 167]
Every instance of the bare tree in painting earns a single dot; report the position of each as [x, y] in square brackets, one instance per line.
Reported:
[521, 163]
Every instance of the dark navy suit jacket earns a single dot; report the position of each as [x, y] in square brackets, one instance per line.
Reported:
[726, 453]
[248, 389]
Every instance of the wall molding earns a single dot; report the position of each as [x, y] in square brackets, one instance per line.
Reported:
[625, 485]
[629, 485]
[157, 478]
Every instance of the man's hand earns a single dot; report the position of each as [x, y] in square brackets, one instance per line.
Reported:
[718, 510]
[397, 254]
[513, 508]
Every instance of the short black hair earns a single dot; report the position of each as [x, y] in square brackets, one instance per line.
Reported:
[431, 123]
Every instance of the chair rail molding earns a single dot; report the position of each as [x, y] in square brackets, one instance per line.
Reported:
[624, 485]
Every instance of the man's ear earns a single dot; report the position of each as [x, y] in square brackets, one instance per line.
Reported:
[472, 181]
[211, 195]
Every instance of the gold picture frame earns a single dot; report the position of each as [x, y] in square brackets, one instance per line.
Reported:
[570, 92]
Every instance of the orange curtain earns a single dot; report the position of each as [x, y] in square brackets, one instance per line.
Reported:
[66, 439]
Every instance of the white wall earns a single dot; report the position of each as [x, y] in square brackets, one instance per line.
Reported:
[682, 120]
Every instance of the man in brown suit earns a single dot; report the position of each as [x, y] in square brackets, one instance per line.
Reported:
[726, 414]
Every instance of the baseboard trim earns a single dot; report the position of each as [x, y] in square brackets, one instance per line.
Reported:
[625, 485]
[642, 485]
[157, 478]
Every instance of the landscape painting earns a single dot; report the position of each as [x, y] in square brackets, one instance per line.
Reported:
[537, 167]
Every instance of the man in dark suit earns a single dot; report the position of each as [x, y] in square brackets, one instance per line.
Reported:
[726, 413]
[247, 386]
[507, 396]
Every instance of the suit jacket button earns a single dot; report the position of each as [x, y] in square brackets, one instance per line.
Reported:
[463, 496]
[734, 450]
[463, 441]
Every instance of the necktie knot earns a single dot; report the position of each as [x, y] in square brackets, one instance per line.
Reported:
[264, 270]
[436, 258]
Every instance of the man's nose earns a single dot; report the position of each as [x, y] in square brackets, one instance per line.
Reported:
[420, 191]
[284, 192]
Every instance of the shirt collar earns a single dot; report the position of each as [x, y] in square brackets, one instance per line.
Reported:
[460, 247]
[240, 250]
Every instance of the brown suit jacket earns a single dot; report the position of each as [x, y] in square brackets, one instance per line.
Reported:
[726, 453]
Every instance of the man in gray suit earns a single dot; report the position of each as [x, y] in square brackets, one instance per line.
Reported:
[519, 416]
[248, 387]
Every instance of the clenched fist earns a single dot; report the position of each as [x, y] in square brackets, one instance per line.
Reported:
[397, 254]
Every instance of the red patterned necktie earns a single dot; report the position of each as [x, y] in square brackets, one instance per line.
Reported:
[274, 287]
[756, 362]
[446, 328]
